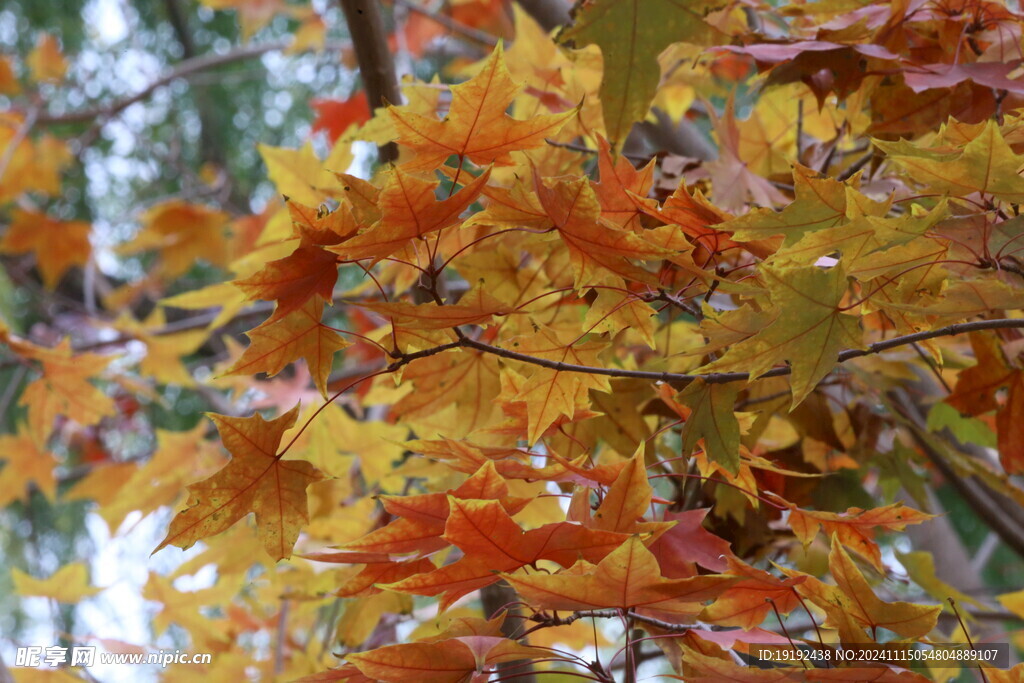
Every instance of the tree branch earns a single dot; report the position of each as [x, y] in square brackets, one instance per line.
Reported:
[555, 620]
[182, 70]
[725, 377]
[374, 58]
[994, 509]
[550, 14]
[19, 136]
[468, 32]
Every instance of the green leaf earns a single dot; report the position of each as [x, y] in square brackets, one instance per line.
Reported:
[631, 35]
[965, 429]
[713, 420]
[808, 332]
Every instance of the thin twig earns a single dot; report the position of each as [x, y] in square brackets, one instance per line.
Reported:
[555, 620]
[19, 136]
[182, 70]
[993, 508]
[725, 377]
[468, 32]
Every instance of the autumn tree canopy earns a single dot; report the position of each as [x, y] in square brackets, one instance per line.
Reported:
[484, 340]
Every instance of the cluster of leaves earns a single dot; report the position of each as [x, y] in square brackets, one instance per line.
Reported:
[681, 394]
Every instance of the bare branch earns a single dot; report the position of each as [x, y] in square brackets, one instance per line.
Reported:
[468, 32]
[550, 14]
[19, 136]
[375, 62]
[182, 70]
[555, 620]
[994, 509]
[724, 377]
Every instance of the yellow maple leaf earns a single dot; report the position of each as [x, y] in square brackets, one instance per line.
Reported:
[24, 462]
[477, 126]
[57, 245]
[300, 334]
[256, 480]
[68, 584]
[300, 175]
[182, 233]
[46, 62]
[63, 389]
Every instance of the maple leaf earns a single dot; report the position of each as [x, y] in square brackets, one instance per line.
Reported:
[628, 499]
[511, 207]
[596, 249]
[551, 393]
[421, 519]
[256, 480]
[492, 542]
[469, 381]
[34, 165]
[688, 542]
[623, 189]
[987, 165]
[63, 389]
[57, 245]
[183, 233]
[8, 81]
[446, 661]
[747, 602]
[853, 597]
[820, 203]
[475, 307]
[378, 573]
[335, 116]
[292, 281]
[631, 34]
[628, 577]
[979, 389]
[712, 419]
[300, 175]
[281, 340]
[69, 584]
[855, 527]
[477, 126]
[24, 462]
[408, 209]
[809, 331]
[46, 62]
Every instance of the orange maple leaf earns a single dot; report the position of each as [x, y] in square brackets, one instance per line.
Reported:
[57, 245]
[746, 603]
[256, 480]
[477, 126]
[492, 541]
[293, 280]
[64, 387]
[596, 248]
[409, 209]
[855, 527]
[623, 189]
[300, 334]
[448, 661]
[421, 518]
[851, 603]
[994, 384]
[628, 577]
